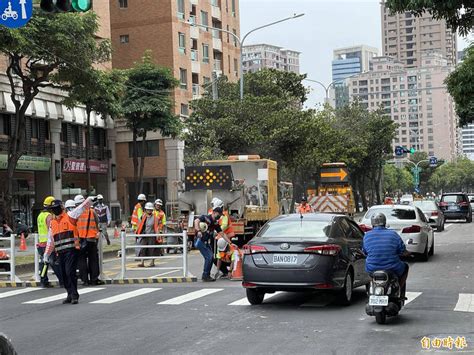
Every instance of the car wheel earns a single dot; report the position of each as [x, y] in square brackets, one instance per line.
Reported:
[425, 255]
[380, 317]
[431, 252]
[255, 296]
[367, 288]
[345, 295]
[469, 219]
[440, 228]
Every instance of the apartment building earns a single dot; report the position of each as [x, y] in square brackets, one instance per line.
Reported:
[195, 55]
[468, 141]
[259, 56]
[405, 37]
[415, 98]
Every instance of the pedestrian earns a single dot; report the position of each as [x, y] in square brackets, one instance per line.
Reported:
[149, 224]
[62, 238]
[103, 214]
[88, 231]
[304, 207]
[43, 221]
[138, 211]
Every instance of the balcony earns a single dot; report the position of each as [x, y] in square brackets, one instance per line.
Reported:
[80, 152]
[196, 94]
[216, 12]
[216, 40]
[217, 67]
[33, 148]
[194, 30]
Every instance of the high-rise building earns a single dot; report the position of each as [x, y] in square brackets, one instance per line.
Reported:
[415, 98]
[468, 140]
[195, 55]
[349, 61]
[259, 56]
[405, 37]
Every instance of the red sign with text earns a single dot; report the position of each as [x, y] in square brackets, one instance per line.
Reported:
[79, 166]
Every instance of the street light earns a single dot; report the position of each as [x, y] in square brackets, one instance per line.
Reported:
[241, 42]
[326, 88]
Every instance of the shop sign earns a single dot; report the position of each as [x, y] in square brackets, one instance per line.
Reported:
[79, 166]
[26, 162]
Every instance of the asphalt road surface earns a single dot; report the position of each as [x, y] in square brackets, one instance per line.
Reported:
[204, 318]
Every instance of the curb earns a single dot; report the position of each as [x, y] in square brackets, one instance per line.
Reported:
[161, 280]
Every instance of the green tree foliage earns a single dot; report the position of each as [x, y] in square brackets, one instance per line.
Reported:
[147, 106]
[42, 53]
[396, 180]
[459, 14]
[461, 87]
[454, 176]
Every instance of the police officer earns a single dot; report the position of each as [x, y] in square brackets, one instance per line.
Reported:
[103, 214]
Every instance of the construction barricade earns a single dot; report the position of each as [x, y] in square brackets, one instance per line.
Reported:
[7, 260]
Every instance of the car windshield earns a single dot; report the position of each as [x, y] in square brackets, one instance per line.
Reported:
[392, 213]
[425, 205]
[297, 229]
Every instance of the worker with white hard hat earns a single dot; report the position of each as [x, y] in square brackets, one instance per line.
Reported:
[149, 224]
[138, 211]
[104, 216]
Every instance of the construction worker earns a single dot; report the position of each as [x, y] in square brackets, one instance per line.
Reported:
[304, 207]
[103, 214]
[161, 215]
[138, 211]
[62, 238]
[225, 258]
[43, 221]
[69, 205]
[149, 224]
[88, 232]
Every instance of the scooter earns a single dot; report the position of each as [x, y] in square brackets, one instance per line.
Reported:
[384, 296]
[9, 13]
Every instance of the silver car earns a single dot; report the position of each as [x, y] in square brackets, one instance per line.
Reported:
[432, 212]
[410, 223]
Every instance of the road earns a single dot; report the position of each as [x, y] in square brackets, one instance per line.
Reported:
[199, 318]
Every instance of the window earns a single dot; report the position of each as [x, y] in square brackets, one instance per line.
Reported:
[181, 43]
[152, 148]
[204, 19]
[74, 134]
[180, 5]
[124, 39]
[234, 37]
[184, 110]
[63, 135]
[183, 78]
[233, 8]
[35, 128]
[236, 69]
[5, 124]
[123, 4]
[205, 53]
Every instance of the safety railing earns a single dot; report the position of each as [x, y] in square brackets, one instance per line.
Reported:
[124, 247]
[11, 260]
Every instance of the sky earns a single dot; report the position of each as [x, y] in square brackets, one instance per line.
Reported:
[326, 25]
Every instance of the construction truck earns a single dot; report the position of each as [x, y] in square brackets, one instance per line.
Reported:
[246, 183]
[334, 193]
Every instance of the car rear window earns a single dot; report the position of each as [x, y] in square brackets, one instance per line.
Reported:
[297, 229]
[425, 205]
[392, 213]
[452, 198]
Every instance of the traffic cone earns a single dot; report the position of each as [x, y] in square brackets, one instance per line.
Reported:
[237, 269]
[22, 243]
[116, 233]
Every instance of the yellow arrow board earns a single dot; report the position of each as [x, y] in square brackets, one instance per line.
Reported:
[334, 175]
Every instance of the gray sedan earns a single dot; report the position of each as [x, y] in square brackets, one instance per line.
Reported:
[432, 212]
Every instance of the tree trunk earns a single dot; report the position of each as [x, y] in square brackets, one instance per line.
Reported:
[294, 181]
[142, 162]
[355, 193]
[88, 147]
[135, 160]
[362, 192]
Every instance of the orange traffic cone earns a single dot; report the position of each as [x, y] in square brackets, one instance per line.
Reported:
[22, 243]
[237, 269]
[116, 233]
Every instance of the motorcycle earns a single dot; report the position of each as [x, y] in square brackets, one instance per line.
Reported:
[384, 296]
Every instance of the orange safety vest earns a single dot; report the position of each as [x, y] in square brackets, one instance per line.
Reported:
[64, 233]
[229, 231]
[86, 226]
[226, 256]
[156, 225]
[161, 216]
[136, 215]
[304, 209]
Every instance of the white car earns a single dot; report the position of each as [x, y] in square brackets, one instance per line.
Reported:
[410, 223]
[406, 199]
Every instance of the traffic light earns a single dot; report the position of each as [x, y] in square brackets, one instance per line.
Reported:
[66, 5]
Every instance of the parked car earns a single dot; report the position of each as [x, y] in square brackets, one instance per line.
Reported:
[432, 212]
[471, 201]
[456, 205]
[410, 223]
[305, 252]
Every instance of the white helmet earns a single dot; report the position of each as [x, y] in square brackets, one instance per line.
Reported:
[221, 244]
[149, 206]
[158, 202]
[100, 197]
[217, 203]
[78, 199]
[141, 197]
[70, 204]
[203, 227]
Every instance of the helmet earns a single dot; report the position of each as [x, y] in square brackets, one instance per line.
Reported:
[48, 201]
[70, 204]
[217, 203]
[304, 199]
[100, 197]
[378, 220]
[219, 210]
[56, 207]
[159, 202]
[221, 244]
[149, 206]
[78, 199]
[141, 197]
[203, 227]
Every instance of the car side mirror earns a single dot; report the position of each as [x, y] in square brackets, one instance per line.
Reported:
[387, 225]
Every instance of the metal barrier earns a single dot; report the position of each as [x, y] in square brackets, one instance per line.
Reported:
[11, 261]
[183, 245]
[37, 270]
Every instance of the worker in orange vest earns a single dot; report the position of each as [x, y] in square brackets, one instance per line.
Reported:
[224, 257]
[149, 224]
[88, 232]
[304, 207]
[161, 215]
[138, 211]
[63, 239]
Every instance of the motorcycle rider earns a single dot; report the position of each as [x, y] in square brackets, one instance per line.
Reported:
[383, 248]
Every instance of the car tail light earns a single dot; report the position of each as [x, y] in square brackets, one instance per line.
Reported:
[252, 249]
[365, 228]
[248, 285]
[325, 286]
[412, 229]
[463, 204]
[443, 204]
[435, 213]
[330, 249]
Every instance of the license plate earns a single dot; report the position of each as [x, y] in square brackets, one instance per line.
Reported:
[452, 208]
[378, 301]
[290, 259]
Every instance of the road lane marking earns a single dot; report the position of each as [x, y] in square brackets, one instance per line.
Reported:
[244, 301]
[62, 296]
[191, 296]
[411, 296]
[447, 225]
[126, 295]
[465, 303]
[165, 273]
[19, 292]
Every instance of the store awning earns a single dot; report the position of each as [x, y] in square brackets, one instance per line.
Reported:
[40, 109]
[68, 115]
[52, 110]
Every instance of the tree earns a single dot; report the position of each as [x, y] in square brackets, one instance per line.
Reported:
[461, 87]
[454, 176]
[396, 180]
[41, 54]
[99, 92]
[459, 14]
[147, 106]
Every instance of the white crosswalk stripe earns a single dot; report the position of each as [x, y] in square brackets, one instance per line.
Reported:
[19, 292]
[411, 296]
[191, 296]
[465, 303]
[62, 296]
[245, 302]
[126, 296]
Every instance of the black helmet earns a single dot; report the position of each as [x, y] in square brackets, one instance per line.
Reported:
[378, 220]
[56, 207]
[304, 199]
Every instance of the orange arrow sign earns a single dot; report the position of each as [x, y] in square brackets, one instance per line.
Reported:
[342, 174]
